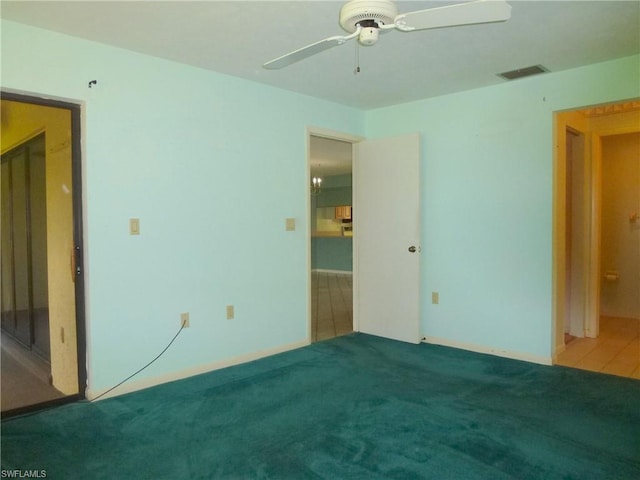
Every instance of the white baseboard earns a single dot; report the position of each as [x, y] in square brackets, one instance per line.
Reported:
[490, 350]
[134, 386]
[339, 272]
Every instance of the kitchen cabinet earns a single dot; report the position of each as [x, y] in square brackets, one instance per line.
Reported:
[343, 212]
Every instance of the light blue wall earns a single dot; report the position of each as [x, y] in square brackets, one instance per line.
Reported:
[487, 178]
[332, 253]
[212, 165]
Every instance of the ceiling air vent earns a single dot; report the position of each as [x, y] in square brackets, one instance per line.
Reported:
[523, 72]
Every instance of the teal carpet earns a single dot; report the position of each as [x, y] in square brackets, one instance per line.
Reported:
[353, 407]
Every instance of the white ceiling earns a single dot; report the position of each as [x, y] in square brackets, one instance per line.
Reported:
[237, 37]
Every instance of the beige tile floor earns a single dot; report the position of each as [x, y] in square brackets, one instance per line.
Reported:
[616, 350]
[331, 305]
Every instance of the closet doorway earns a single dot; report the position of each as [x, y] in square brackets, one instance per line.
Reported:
[42, 290]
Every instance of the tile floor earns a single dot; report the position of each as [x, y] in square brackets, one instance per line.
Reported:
[616, 350]
[331, 305]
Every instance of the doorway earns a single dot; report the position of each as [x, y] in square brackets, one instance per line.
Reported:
[386, 235]
[331, 235]
[43, 332]
[596, 323]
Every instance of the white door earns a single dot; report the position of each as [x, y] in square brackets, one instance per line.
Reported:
[386, 216]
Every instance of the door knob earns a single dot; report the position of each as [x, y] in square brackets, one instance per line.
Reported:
[412, 249]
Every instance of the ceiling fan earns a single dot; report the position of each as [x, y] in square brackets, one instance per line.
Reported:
[364, 19]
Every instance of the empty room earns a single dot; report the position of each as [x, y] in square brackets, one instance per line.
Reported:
[161, 231]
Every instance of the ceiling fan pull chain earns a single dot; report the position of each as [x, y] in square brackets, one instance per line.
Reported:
[357, 69]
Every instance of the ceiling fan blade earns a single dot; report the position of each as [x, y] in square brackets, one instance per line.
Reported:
[306, 52]
[479, 11]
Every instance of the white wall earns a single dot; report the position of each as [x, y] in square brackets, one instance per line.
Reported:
[212, 166]
[487, 181]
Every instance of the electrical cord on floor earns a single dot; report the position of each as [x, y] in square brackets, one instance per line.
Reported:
[36, 412]
[136, 373]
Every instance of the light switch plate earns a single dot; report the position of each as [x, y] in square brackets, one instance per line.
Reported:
[134, 226]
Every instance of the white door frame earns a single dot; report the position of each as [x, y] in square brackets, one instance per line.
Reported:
[343, 137]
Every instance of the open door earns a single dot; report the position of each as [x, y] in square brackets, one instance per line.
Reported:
[577, 247]
[386, 175]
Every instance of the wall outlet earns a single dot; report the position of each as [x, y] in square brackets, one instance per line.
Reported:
[184, 320]
[230, 312]
[290, 224]
[435, 298]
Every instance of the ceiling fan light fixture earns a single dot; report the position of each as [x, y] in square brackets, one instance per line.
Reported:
[368, 36]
